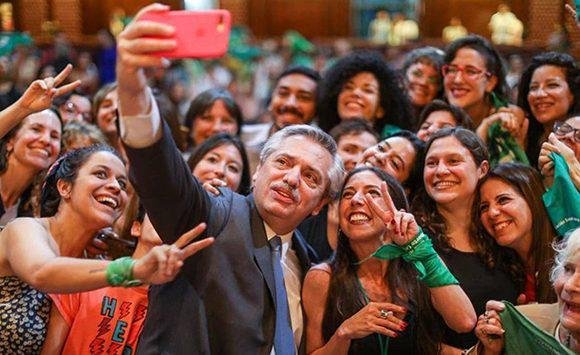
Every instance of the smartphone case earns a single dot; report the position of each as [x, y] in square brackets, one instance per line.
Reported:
[199, 34]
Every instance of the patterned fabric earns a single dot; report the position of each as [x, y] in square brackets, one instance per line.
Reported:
[24, 315]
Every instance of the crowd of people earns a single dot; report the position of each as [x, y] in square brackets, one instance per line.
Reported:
[375, 210]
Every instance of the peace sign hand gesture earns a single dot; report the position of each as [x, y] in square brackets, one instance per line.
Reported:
[401, 226]
[162, 263]
[39, 95]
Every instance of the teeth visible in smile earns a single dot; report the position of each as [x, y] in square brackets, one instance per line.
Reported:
[501, 225]
[111, 202]
[42, 151]
[444, 184]
[358, 217]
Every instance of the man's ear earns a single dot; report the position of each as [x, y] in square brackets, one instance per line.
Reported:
[320, 205]
[64, 188]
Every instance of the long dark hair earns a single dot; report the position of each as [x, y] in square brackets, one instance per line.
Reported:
[568, 65]
[345, 298]
[425, 208]
[66, 168]
[528, 183]
[393, 99]
[217, 141]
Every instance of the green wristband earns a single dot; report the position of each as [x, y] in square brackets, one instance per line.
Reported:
[120, 272]
[421, 254]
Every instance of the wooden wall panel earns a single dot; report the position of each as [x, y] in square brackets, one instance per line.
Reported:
[312, 18]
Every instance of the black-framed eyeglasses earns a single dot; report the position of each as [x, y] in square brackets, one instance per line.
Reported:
[562, 129]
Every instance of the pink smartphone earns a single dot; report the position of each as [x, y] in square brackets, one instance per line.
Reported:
[199, 34]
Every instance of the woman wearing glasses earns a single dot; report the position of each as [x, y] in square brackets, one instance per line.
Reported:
[422, 76]
[565, 140]
[474, 80]
[547, 93]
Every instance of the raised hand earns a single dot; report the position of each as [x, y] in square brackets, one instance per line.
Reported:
[376, 317]
[545, 163]
[212, 186]
[401, 226]
[39, 95]
[162, 263]
[489, 329]
[570, 8]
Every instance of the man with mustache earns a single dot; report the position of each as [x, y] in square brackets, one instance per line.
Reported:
[243, 295]
[293, 101]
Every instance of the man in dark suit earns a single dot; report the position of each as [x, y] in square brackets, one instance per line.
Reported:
[230, 298]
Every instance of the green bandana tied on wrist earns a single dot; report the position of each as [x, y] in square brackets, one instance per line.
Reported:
[120, 272]
[523, 337]
[421, 254]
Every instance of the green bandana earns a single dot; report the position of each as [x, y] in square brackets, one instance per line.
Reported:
[421, 254]
[562, 200]
[523, 337]
[503, 148]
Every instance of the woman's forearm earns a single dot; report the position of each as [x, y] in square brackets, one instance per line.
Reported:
[455, 307]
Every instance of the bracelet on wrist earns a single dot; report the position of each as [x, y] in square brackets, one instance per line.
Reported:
[119, 272]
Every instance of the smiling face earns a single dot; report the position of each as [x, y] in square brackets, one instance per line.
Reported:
[292, 182]
[107, 114]
[215, 120]
[37, 143]
[463, 87]
[549, 97]
[352, 146]
[435, 121]
[567, 287]
[395, 156]
[293, 100]
[360, 97]
[505, 215]
[99, 192]
[422, 83]
[356, 218]
[224, 162]
[450, 173]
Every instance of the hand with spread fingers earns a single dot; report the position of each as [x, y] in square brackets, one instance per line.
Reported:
[37, 97]
[489, 329]
[162, 263]
[512, 119]
[376, 317]
[212, 186]
[401, 226]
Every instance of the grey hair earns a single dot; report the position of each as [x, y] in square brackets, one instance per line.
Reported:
[336, 171]
[566, 249]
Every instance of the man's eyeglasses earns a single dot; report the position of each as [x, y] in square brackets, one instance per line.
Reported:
[561, 129]
[467, 71]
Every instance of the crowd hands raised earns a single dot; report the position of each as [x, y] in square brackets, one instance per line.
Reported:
[425, 173]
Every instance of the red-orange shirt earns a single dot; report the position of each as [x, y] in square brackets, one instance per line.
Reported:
[108, 320]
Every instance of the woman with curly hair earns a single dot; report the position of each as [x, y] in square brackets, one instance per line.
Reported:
[455, 160]
[511, 211]
[548, 94]
[363, 85]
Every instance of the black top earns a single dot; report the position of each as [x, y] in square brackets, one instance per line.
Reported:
[313, 230]
[480, 284]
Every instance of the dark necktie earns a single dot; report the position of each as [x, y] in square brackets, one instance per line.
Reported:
[283, 336]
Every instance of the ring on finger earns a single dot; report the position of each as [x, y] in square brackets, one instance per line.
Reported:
[385, 314]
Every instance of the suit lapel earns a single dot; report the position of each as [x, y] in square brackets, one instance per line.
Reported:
[262, 254]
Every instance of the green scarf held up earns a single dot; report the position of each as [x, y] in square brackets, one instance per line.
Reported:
[502, 146]
[562, 200]
[523, 337]
[421, 254]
